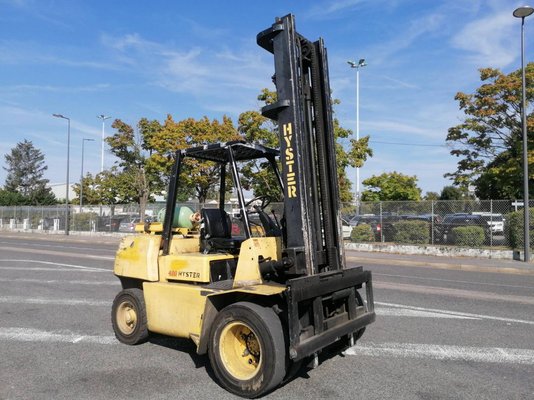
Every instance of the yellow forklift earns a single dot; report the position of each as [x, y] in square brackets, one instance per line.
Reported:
[260, 302]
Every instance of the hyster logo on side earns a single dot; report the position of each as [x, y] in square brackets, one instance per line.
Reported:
[291, 182]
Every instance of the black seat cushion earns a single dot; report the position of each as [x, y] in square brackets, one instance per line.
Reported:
[216, 232]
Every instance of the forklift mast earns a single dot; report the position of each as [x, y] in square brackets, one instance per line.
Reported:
[303, 111]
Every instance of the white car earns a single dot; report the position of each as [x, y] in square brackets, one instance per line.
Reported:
[495, 221]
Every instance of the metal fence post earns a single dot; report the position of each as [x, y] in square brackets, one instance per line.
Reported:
[432, 221]
[381, 225]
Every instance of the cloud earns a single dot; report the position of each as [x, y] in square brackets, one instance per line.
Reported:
[333, 7]
[417, 28]
[220, 73]
[29, 53]
[489, 41]
[17, 89]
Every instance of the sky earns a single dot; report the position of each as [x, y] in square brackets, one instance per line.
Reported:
[134, 59]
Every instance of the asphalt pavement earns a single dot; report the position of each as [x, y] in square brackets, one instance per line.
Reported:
[440, 262]
[443, 331]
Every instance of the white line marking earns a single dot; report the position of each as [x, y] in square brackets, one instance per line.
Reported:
[403, 312]
[61, 302]
[83, 267]
[455, 313]
[64, 247]
[441, 352]
[50, 269]
[35, 335]
[53, 281]
[52, 252]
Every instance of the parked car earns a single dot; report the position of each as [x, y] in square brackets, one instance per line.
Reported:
[381, 225]
[128, 223]
[494, 221]
[459, 220]
[108, 223]
[347, 228]
[434, 221]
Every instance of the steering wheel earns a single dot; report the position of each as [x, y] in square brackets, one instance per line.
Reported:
[265, 201]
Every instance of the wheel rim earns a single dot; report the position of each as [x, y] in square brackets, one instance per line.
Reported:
[240, 350]
[126, 317]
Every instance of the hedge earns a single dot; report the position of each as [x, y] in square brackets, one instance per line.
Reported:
[470, 236]
[514, 226]
[411, 232]
[362, 233]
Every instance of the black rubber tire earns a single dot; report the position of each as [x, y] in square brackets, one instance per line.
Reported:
[267, 330]
[127, 304]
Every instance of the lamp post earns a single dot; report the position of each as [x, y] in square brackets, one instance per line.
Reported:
[360, 64]
[103, 118]
[523, 12]
[67, 218]
[81, 174]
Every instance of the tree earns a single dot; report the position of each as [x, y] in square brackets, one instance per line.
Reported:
[198, 178]
[25, 171]
[133, 181]
[431, 196]
[145, 160]
[256, 128]
[452, 193]
[391, 186]
[488, 142]
[9, 198]
[109, 187]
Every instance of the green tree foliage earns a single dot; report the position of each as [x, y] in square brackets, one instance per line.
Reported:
[256, 128]
[452, 193]
[113, 186]
[431, 196]
[488, 143]
[391, 186]
[10, 198]
[146, 159]
[25, 176]
[199, 178]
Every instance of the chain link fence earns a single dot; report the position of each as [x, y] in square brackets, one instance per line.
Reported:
[465, 223]
[468, 223]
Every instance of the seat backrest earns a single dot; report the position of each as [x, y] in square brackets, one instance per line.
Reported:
[216, 223]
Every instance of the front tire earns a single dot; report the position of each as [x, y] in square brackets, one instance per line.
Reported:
[128, 317]
[248, 349]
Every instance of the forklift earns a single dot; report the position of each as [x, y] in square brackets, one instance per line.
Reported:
[262, 301]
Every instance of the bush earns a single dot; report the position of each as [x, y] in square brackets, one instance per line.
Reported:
[470, 236]
[411, 232]
[83, 221]
[514, 226]
[362, 233]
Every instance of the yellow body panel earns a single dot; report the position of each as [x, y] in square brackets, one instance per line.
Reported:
[248, 272]
[192, 267]
[180, 244]
[137, 257]
[174, 309]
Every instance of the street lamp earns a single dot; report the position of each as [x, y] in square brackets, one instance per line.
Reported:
[360, 64]
[81, 175]
[103, 118]
[67, 219]
[523, 12]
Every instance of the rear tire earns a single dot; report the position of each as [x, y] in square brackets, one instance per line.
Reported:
[128, 317]
[247, 349]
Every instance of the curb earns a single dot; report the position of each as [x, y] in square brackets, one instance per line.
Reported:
[437, 265]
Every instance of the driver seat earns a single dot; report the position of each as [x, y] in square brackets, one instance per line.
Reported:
[216, 232]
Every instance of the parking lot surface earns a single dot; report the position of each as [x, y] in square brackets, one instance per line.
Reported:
[440, 334]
